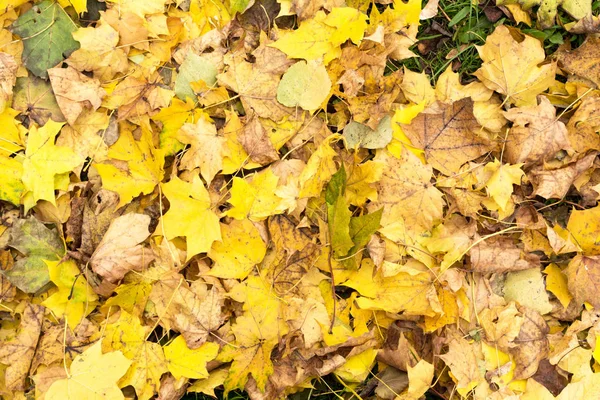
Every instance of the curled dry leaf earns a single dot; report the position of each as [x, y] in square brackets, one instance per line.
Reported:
[120, 250]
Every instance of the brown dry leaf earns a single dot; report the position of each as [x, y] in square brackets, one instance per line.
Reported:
[74, 92]
[449, 138]
[17, 353]
[584, 279]
[255, 140]
[583, 61]
[463, 359]
[556, 183]
[8, 78]
[501, 255]
[120, 250]
[536, 135]
[584, 125]
[532, 343]
[196, 315]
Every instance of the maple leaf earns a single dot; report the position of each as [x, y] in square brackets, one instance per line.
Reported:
[450, 138]
[148, 363]
[195, 315]
[74, 91]
[405, 291]
[74, 299]
[183, 361]
[256, 332]
[255, 198]
[18, 352]
[143, 171]
[92, 375]
[536, 134]
[503, 54]
[46, 33]
[38, 244]
[44, 161]
[240, 249]
[98, 52]
[190, 215]
[206, 148]
[405, 191]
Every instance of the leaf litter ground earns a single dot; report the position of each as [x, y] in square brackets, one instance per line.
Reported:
[293, 198]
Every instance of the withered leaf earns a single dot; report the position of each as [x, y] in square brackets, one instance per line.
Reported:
[449, 138]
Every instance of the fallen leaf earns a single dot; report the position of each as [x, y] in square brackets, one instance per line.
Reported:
[120, 250]
[46, 33]
[74, 92]
[503, 54]
[537, 135]
[190, 215]
[92, 374]
[18, 352]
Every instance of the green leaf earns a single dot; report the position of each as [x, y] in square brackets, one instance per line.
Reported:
[46, 31]
[336, 186]
[304, 85]
[11, 170]
[361, 229]
[365, 137]
[338, 218]
[37, 243]
[238, 5]
[35, 99]
[194, 68]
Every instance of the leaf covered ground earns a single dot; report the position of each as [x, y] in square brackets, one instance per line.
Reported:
[350, 199]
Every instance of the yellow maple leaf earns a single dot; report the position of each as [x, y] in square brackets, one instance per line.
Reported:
[254, 197]
[503, 56]
[74, 299]
[44, 161]
[405, 291]
[185, 362]
[173, 118]
[319, 169]
[239, 251]
[256, 332]
[500, 184]
[206, 148]
[144, 166]
[128, 336]
[190, 215]
[93, 375]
